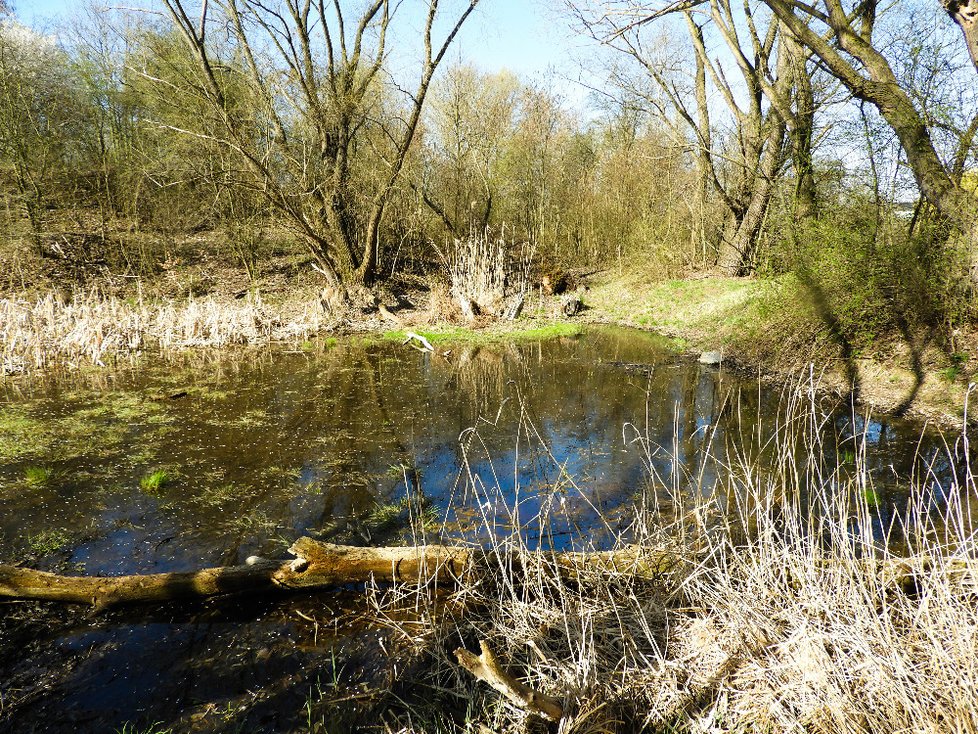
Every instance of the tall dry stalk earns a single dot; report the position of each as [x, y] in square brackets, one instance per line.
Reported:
[488, 275]
[785, 618]
[52, 332]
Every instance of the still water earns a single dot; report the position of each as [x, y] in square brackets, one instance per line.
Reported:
[210, 459]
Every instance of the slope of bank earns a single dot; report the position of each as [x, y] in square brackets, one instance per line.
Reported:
[778, 328]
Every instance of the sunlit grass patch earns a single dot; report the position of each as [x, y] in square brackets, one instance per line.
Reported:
[155, 481]
[498, 333]
[37, 475]
[20, 435]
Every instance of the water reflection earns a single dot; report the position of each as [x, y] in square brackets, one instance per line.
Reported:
[555, 438]
[371, 443]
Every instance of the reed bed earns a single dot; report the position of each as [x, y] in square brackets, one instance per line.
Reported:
[488, 275]
[53, 332]
[785, 618]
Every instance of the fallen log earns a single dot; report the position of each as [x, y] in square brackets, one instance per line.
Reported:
[320, 565]
[316, 565]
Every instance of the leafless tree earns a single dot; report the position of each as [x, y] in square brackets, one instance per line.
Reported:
[315, 72]
[842, 39]
[840, 36]
[771, 103]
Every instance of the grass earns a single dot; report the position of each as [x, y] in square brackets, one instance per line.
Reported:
[501, 332]
[155, 481]
[36, 476]
[787, 616]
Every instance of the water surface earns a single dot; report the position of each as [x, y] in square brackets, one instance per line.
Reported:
[363, 443]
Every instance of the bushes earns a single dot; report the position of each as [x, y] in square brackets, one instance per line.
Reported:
[872, 281]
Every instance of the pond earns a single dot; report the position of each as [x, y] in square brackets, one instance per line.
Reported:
[207, 459]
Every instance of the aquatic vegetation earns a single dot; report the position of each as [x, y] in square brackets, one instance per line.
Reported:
[155, 481]
[781, 620]
[47, 542]
[89, 330]
[154, 728]
[216, 495]
[80, 428]
[386, 516]
[251, 419]
[19, 434]
[37, 475]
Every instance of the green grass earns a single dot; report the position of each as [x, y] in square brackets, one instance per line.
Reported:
[155, 481]
[533, 331]
[35, 476]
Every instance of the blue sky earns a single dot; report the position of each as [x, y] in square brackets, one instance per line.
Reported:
[518, 35]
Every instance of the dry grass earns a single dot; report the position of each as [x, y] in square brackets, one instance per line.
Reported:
[51, 332]
[786, 618]
[488, 274]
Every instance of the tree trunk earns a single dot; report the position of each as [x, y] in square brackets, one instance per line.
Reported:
[320, 565]
[801, 126]
[738, 251]
[965, 14]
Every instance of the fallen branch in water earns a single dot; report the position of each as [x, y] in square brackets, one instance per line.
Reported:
[320, 565]
[486, 668]
[425, 344]
[317, 565]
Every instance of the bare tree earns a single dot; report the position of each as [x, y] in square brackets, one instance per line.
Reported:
[316, 78]
[473, 116]
[763, 102]
[842, 39]
[965, 14]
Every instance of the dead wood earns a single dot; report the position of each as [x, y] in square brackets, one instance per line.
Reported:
[316, 565]
[320, 565]
[486, 668]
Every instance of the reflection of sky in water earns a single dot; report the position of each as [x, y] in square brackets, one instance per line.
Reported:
[567, 433]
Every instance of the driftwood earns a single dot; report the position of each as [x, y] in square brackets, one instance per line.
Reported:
[317, 565]
[486, 668]
[425, 344]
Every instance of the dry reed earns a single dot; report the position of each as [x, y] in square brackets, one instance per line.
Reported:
[487, 274]
[781, 621]
[52, 332]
